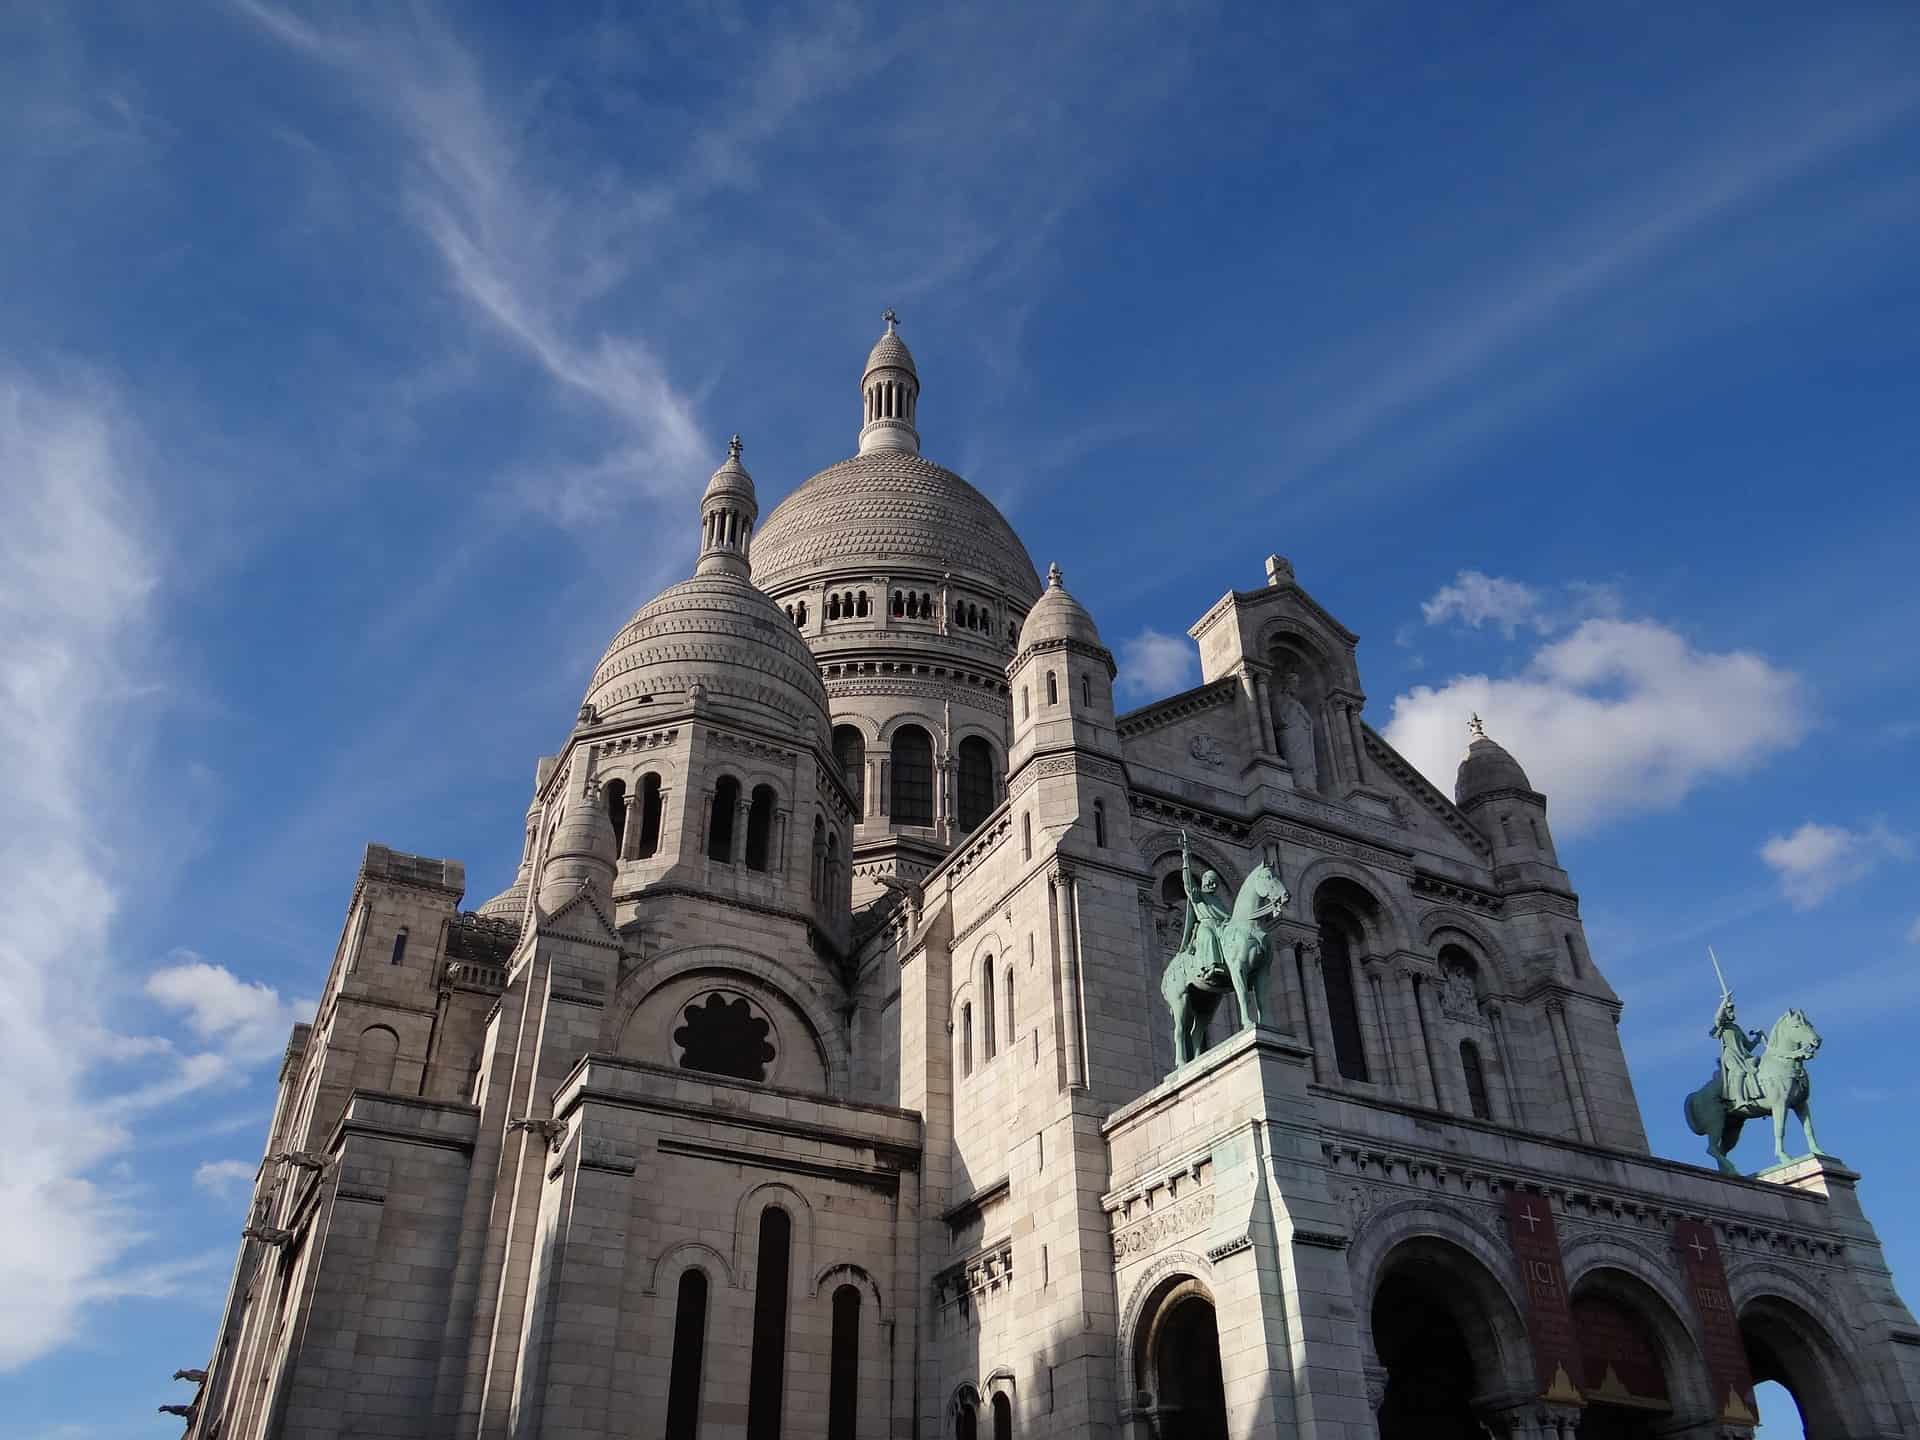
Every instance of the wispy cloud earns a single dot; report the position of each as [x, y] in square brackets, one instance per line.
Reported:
[225, 1179]
[1154, 663]
[1816, 861]
[1614, 718]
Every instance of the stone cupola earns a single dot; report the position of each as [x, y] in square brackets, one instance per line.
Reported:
[728, 510]
[889, 394]
[1494, 793]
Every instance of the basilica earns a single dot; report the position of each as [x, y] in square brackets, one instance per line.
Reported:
[818, 1076]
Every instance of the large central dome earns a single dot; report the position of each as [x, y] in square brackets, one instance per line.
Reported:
[891, 507]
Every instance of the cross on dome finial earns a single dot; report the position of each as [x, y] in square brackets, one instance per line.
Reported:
[891, 318]
[1477, 726]
[734, 447]
[1053, 576]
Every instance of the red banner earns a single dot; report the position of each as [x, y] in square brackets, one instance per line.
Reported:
[1725, 1352]
[1536, 1245]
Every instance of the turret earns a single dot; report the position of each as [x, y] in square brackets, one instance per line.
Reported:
[889, 394]
[727, 512]
[1495, 794]
[581, 852]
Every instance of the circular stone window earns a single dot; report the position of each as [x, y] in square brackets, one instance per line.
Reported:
[725, 1034]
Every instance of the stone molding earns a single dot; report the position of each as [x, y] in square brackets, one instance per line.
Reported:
[1448, 813]
[1174, 708]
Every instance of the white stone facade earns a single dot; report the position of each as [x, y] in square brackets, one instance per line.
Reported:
[807, 1087]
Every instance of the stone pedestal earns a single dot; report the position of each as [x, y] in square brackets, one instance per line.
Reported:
[1218, 1191]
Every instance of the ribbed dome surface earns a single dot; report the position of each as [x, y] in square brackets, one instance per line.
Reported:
[1485, 768]
[890, 350]
[890, 507]
[510, 903]
[1056, 615]
[722, 633]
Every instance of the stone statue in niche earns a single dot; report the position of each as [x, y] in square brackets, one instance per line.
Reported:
[1295, 727]
[1457, 996]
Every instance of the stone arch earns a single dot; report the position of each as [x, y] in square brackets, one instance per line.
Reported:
[927, 722]
[1471, 936]
[1790, 1329]
[1643, 1282]
[1173, 1358]
[1453, 1244]
[1160, 849]
[1391, 926]
[646, 978]
[845, 1272]
[686, 1255]
[746, 1228]
[1174, 1264]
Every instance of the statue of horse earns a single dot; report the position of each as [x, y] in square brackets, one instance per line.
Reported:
[1196, 980]
[1771, 1084]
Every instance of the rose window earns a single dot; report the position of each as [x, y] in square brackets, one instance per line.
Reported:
[722, 1035]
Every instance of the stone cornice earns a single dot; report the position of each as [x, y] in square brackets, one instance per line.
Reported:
[1178, 707]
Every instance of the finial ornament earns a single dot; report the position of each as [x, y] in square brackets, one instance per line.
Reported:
[890, 317]
[1053, 576]
[734, 447]
[1477, 726]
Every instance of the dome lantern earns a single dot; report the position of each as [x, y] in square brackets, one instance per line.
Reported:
[889, 394]
[727, 512]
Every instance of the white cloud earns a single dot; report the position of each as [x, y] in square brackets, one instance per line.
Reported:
[1817, 860]
[1616, 717]
[244, 1020]
[1477, 599]
[1153, 663]
[225, 1179]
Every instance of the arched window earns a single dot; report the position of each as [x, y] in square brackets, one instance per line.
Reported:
[1100, 824]
[960, 614]
[1053, 689]
[616, 797]
[1086, 692]
[689, 1350]
[1476, 1080]
[833, 607]
[843, 1369]
[1534, 826]
[1026, 704]
[726, 799]
[803, 612]
[850, 754]
[1173, 893]
[767, 1378]
[966, 1038]
[649, 816]
[987, 1028]
[913, 606]
[760, 828]
[1002, 1416]
[976, 781]
[373, 1064]
[912, 776]
[966, 1422]
[860, 605]
[1337, 934]
[399, 946]
[899, 606]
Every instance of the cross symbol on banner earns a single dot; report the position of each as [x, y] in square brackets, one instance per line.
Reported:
[1533, 1220]
[1699, 1250]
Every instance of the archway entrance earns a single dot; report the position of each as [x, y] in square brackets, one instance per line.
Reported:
[1430, 1372]
[1180, 1366]
[1789, 1347]
[1622, 1373]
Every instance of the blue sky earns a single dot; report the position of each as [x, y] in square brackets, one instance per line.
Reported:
[361, 368]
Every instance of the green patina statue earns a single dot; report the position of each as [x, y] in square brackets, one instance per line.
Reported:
[1224, 947]
[1748, 1084]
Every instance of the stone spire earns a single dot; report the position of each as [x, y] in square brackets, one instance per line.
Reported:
[727, 512]
[889, 394]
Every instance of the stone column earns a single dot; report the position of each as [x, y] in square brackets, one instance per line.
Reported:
[1570, 1069]
[1335, 715]
[669, 830]
[883, 800]
[777, 861]
[1263, 701]
[870, 788]
[740, 809]
[1061, 879]
[630, 827]
[1287, 990]
[1417, 1040]
[1318, 1016]
[1444, 1097]
[1249, 696]
[1391, 1071]
[1497, 1023]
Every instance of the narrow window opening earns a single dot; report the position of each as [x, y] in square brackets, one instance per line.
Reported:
[987, 1000]
[1026, 704]
[843, 1369]
[1086, 692]
[400, 946]
[1343, 1009]
[1476, 1080]
[767, 1379]
[616, 793]
[1506, 828]
[1026, 837]
[1100, 824]
[1006, 1018]
[1053, 689]
[1533, 826]
[976, 781]
[726, 798]
[850, 753]
[760, 827]
[966, 1038]
[649, 816]
[912, 776]
[689, 1350]
[1002, 1416]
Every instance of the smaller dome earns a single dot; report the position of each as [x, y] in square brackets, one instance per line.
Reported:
[511, 903]
[731, 480]
[890, 353]
[1056, 615]
[582, 851]
[1486, 768]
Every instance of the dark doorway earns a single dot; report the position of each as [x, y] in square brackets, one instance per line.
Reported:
[1191, 1397]
[1430, 1378]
